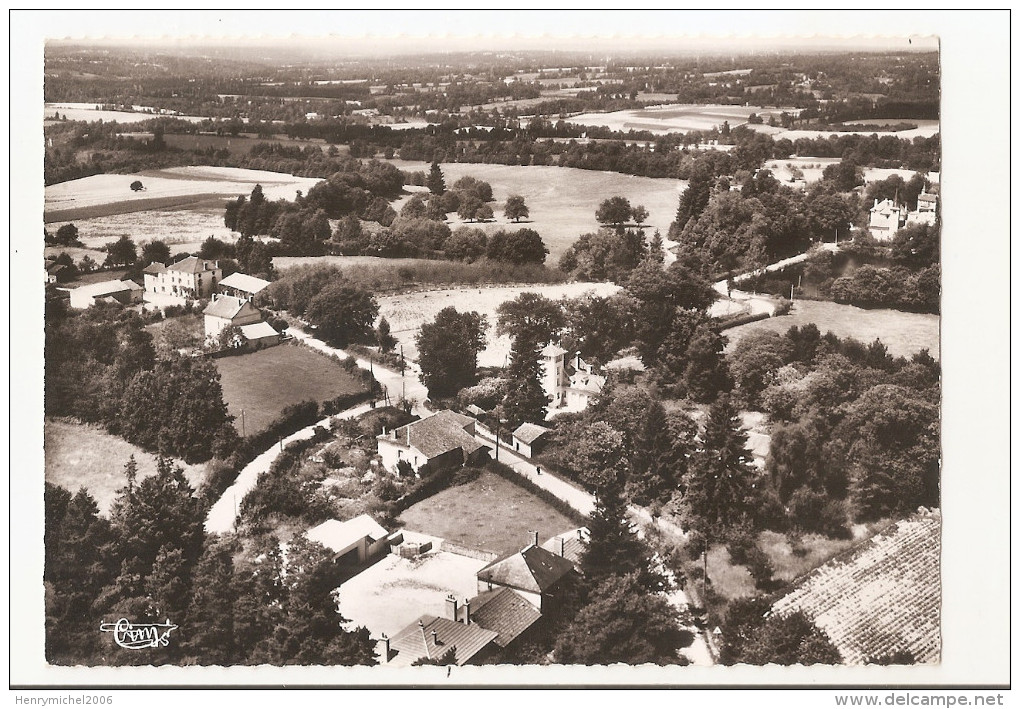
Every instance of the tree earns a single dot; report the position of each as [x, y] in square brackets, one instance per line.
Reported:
[342, 313]
[519, 247]
[155, 251]
[786, 639]
[596, 326]
[448, 350]
[484, 213]
[525, 400]
[515, 208]
[435, 181]
[67, 235]
[532, 316]
[622, 622]
[469, 207]
[122, 252]
[615, 211]
[212, 639]
[383, 338]
[695, 198]
[640, 214]
[137, 186]
[598, 453]
[231, 338]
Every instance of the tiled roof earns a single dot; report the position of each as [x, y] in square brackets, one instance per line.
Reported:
[533, 569]
[257, 331]
[572, 546]
[880, 597]
[192, 264]
[529, 432]
[439, 433]
[226, 307]
[244, 282]
[415, 641]
[154, 268]
[503, 611]
[338, 536]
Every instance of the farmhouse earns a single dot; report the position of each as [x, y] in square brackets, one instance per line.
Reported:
[443, 440]
[226, 311]
[537, 574]
[354, 542]
[569, 387]
[528, 438]
[243, 286]
[189, 278]
[880, 598]
[123, 292]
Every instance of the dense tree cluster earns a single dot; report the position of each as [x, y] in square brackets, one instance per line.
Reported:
[753, 636]
[448, 350]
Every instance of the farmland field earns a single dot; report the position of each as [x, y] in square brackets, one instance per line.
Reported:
[234, 144]
[262, 383]
[79, 455]
[182, 229]
[488, 513]
[562, 200]
[406, 313]
[812, 168]
[903, 333]
[675, 118]
[88, 112]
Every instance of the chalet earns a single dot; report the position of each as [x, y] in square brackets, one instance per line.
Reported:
[243, 286]
[226, 311]
[528, 438]
[188, 278]
[123, 292]
[354, 542]
[431, 638]
[443, 440]
[538, 575]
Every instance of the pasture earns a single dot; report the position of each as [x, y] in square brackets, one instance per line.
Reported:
[90, 112]
[675, 117]
[78, 454]
[562, 200]
[408, 312]
[902, 333]
[260, 384]
[488, 513]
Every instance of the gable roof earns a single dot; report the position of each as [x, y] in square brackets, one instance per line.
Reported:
[244, 282]
[415, 641]
[502, 611]
[154, 267]
[881, 596]
[257, 331]
[571, 544]
[227, 307]
[339, 536]
[97, 290]
[440, 433]
[533, 569]
[192, 264]
[530, 432]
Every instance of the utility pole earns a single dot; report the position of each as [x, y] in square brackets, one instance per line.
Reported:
[242, 424]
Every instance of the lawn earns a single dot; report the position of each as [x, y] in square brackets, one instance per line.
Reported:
[488, 513]
[903, 333]
[260, 384]
[80, 454]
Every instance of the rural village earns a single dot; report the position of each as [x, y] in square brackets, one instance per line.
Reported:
[493, 358]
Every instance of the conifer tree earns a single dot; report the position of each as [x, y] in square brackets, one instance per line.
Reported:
[434, 181]
[526, 400]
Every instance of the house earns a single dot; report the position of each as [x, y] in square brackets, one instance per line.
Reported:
[354, 542]
[501, 610]
[56, 272]
[572, 386]
[538, 575]
[443, 440]
[927, 206]
[259, 335]
[243, 286]
[528, 438]
[880, 598]
[431, 638]
[188, 278]
[225, 311]
[886, 219]
[123, 292]
[569, 545]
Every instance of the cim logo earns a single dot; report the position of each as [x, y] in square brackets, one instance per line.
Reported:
[141, 635]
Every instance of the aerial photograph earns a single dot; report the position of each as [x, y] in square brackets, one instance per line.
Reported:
[401, 356]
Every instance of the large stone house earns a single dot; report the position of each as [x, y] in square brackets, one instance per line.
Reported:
[444, 440]
[189, 278]
[538, 575]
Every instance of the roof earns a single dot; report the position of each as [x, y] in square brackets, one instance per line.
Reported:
[553, 351]
[572, 548]
[154, 268]
[132, 285]
[415, 641]
[244, 282]
[257, 331]
[533, 569]
[227, 307]
[98, 290]
[339, 536]
[591, 383]
[503, 611]
[55, 267]
[927, 197]
[440, 433]
[530, 432]
[880, 597]
[192, 264]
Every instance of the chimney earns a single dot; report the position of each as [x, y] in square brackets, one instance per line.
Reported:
[386, 648]
[435, 638]
[563, 546]
[534, 539]
[467, 612]
[451, 608]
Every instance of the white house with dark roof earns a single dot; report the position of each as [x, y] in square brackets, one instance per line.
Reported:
[191, 277]
[569, 384]
[536, 574]
[885, 219]
[528, 438]
[225, 311]
[444, 439]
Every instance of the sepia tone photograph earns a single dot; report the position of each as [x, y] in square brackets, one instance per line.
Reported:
[437, 358]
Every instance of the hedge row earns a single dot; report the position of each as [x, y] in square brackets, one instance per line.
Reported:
[510, 475]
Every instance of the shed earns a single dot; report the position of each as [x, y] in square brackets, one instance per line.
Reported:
[260, 334]
[529, 438]
[353, 542]
[123, 292]
[243, 286]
